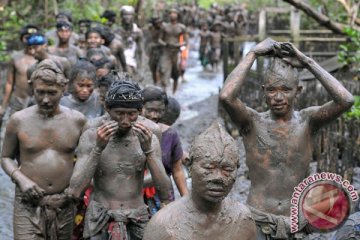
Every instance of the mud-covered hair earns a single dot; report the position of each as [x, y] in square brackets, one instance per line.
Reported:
[50, 72]
[153, 93]
[107, 80]
[123, 92]
[282, 70]
[172, 112]
[214, 142]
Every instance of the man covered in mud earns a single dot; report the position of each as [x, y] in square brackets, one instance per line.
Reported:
[42, 140]
[38, 45]
[279, 142]
[207, 213]
[169, 38]
[154, 47]
[116, 161]
[132, 37]
[17, 88]
[64, 31]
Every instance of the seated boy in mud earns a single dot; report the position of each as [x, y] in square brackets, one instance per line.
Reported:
[82, 96]
[207, 213]
[279, 142]
[42, 139]
[116, 161]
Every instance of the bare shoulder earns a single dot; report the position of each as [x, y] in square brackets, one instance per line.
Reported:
[97, 122]
[151, 125]
[161, 225]
[16, 55]
[239, 211]
[73, 115]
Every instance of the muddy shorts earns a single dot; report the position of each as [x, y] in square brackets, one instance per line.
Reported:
[104, 223]
[168, 66]
[42, 222]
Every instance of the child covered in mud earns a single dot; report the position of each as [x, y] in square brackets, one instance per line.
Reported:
[82, 96]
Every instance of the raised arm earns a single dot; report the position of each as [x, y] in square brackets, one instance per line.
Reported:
[342, 99]
[237, 110]
[89, 155]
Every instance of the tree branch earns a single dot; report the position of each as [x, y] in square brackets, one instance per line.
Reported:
[318, 17]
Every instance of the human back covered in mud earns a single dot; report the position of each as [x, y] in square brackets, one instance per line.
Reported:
[279, 142]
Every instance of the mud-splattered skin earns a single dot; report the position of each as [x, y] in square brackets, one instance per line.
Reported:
[43, 139]
[206, 213]
[279, 142]
[118, 172]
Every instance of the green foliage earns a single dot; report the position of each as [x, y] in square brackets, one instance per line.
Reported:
[349, 52]
[355, 110]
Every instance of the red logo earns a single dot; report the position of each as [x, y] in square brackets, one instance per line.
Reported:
[325, 206]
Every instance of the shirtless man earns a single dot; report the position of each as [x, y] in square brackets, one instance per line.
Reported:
[51, 35]
[215, 39]
[154, 47]
[113, 42]
[207, 213]
[95, 40]
[17, 88]
[64, 48]
[116, 163]
[169, 38]
[42, 140]
[39, 47]
[279, 142]
[132, 37]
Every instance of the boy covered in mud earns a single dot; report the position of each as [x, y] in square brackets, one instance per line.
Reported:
[42, 140]
[279, 142]
[207, 213]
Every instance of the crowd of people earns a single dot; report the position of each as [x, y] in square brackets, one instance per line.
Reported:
[91, 149]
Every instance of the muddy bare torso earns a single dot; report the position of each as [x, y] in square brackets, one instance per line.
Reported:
[118, 179]
[278, 155]
[215, 39]
[22, 62]
[181, 220]
[72, 53]
[172, 33]
[47, 147]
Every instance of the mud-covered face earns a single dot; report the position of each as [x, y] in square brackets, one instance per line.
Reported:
[173, 16]
[83, 88]
[64, 34]
[94, 40]
[280, 95]
[154, 110]
[213, 177]
[127, 18]
[38, 51]
[124, 117]
[47, 96]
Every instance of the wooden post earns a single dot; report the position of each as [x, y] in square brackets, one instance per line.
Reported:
[295, 26]
[262, 36]
[262, 25]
